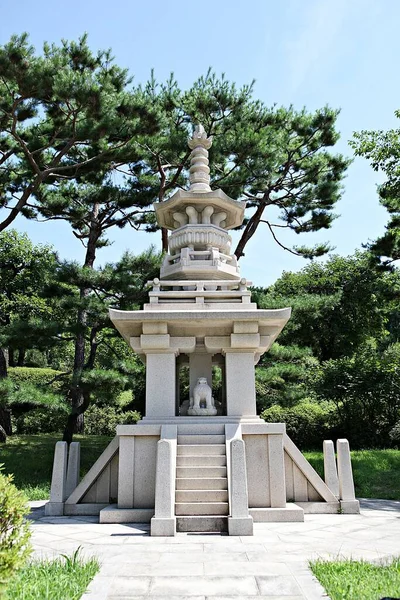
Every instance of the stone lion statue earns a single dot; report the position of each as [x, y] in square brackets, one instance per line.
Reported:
[202, 402]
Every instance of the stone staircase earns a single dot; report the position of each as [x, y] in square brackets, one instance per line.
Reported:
[201, 499]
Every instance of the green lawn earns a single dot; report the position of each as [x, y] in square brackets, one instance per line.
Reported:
[59, 579]
[30, 459]
[376, 472]
[358, 580]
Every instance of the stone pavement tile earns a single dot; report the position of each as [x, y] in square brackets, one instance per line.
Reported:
[122, 586]
[156, 547]
[209, 586]
[234, 547]
[109, 558]
[309, 584]
[269, 597]
[246, 568]
[135, 569]
[204, 557]
[158, 597]
[98, 588]
[278, 585]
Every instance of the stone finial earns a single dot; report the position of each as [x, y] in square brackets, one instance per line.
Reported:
[199, 173]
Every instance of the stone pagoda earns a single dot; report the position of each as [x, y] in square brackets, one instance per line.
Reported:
[201, 459]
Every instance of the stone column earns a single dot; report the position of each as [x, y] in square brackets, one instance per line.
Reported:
[160, 385]
[240, 384]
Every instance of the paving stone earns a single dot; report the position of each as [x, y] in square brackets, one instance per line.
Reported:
[246, 568]
[278, 585]
[209, 586]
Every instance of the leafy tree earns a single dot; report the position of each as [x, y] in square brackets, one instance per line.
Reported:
[65, 115]
[366, 391]
[282, 376]
[69, 116]
[25, 270]
[276, 159]
[121, 285]
[337, 305]
[382, 149]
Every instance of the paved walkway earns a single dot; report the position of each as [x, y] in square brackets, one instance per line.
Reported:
[271, 564]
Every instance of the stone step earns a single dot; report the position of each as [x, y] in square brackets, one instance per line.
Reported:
[201, 428]
[200, 472]
[201, 461]
[202, 483]
[201, 496]
[201, 439]
[201, 508]
[204, 524]
[201, 450]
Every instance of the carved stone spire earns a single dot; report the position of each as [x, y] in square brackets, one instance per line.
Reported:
[199, 173]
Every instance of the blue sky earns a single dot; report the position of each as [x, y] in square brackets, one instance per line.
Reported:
[344, 53]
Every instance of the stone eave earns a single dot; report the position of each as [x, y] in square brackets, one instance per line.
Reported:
[213, 322]
[216, 198]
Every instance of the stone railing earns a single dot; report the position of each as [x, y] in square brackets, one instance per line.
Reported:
[199, 292]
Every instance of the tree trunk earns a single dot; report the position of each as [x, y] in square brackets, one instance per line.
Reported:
[11, 359]
[79, 403]
[249, 230]
[21, 357]
[164, 239]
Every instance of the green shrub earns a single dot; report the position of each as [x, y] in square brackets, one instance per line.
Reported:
[14, 529]
[307, 423]
[42, 420]
[102, 420]
[39, 377]
[366, 390]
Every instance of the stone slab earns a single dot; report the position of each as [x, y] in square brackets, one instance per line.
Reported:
[113, 514]
[84, 509]
[292, 513]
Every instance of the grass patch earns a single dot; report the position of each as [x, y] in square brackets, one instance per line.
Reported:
[376, 472]
[354, 579]
[30, 459]
[59, 579]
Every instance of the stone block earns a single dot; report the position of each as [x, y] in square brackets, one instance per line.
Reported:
[156, 342]
[163, 527]
[245, 340]
[113, 514]
[245, 327]
[350, 507]
[54, 509]
[240, 526]
[291, 513]
[154, 328]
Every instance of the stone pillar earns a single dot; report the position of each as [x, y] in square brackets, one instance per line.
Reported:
[125, 471]
[239, 522]
[74, 463]
[240, 384]
[160, 385]
[330, 470]
[200, 365]
[55, 507]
